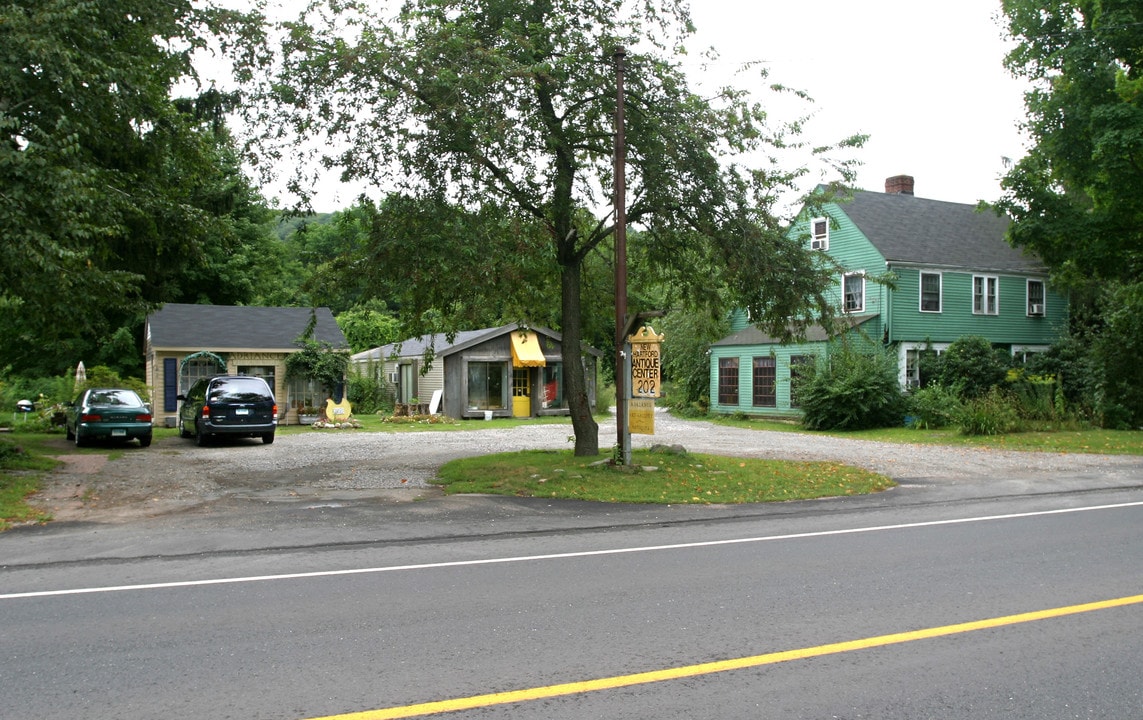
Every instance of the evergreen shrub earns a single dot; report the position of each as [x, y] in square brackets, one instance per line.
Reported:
[852, 391]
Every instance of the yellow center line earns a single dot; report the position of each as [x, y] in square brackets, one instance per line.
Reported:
[609, 683]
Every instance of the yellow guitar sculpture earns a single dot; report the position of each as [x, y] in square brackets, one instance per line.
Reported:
[338, 411]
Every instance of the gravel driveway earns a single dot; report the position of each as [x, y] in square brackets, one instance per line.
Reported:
[174, 475]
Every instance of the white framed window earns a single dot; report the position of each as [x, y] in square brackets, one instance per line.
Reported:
[985, 295]
[1035, 294]
[1023, 353]
[930, 291]
[853, 292]
[819, 233]
[908, 361]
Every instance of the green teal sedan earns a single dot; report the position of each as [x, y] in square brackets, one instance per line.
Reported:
[109, 414]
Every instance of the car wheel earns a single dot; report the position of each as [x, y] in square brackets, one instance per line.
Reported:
[80, 440]
[183, 429]
[267, 438]
[144, 441]
[70, 434]
[199, 436]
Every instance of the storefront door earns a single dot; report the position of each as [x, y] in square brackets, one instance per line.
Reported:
[521, 392]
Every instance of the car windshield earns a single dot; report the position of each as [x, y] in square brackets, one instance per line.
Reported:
[125, 398]
[238, 390]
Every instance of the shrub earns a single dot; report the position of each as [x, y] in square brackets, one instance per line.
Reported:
[933, 406]
[1035, 396]
[991, 414]
[604, 398]
[852, 391]
[369, 395]
[972, 367]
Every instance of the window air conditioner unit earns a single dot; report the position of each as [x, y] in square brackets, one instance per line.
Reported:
[1036, 309]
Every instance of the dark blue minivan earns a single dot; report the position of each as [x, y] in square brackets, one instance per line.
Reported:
[228, 405]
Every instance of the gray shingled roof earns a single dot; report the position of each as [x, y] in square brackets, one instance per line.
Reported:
[909, 229]
[415, 347]
[752, 335]
[219, 327]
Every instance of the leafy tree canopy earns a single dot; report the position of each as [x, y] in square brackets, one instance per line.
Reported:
[1077, 197]
[111, 191]
[507, 107]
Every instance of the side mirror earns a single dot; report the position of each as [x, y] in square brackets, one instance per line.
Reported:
[180, 396]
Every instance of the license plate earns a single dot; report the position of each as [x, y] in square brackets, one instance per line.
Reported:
[118, 433]
[241, 411]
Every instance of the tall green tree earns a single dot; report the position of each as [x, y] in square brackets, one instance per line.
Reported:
[108, 188]
[1077, 197]
[510, 105]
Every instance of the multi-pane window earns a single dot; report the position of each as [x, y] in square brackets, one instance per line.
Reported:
[765, 377]
[930, 292]
[728, 381]
[487, 385]
[985, 295]
[196, 369]
[819, 234]
[800, 368]
[853, 291]
[1036, 297]
[305, 392]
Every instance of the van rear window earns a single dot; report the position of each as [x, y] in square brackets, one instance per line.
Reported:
[240, 390]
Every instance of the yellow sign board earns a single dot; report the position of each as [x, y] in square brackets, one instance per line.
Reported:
[641, 416]
[645, 363]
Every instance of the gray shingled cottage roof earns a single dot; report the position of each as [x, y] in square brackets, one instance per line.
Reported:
[751, 335]
[908, 229]
[415, 347]
[225, 327]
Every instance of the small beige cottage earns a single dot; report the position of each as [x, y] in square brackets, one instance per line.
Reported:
[186, 342]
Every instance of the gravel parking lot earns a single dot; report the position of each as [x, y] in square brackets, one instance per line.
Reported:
[174, 475]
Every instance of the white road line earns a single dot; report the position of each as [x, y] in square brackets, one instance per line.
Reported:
[557, 556]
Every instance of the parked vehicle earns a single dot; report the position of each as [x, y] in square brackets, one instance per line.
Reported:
[109, 414]
[230, 405]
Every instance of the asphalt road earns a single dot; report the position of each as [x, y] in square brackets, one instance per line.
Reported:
[502, 596]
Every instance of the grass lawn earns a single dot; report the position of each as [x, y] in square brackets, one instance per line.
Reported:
[23, 459]
[663, 478]
[1106, 442]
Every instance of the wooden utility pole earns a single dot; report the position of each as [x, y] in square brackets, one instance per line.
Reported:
[623, 439]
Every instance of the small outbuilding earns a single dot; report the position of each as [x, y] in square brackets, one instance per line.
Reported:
[185, 342]
[509, 371]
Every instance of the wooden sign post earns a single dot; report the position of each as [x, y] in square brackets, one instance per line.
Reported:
[646, 379]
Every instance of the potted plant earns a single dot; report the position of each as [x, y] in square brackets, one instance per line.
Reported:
[308, 415]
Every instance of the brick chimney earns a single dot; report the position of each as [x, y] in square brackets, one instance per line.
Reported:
[899, 185]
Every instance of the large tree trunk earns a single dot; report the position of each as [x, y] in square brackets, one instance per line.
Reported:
[575, 384]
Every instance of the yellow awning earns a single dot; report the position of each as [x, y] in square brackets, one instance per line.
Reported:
[526, 350]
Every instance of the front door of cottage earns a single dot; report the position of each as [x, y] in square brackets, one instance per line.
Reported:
[521, 392]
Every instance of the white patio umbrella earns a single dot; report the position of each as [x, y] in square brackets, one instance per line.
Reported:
[80, 373]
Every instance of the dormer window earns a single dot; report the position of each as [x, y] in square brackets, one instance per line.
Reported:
[819, 234]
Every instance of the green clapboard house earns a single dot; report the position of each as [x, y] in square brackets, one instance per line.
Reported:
[954, 274]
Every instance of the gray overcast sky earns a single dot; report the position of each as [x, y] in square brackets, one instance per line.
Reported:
[924, 79]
